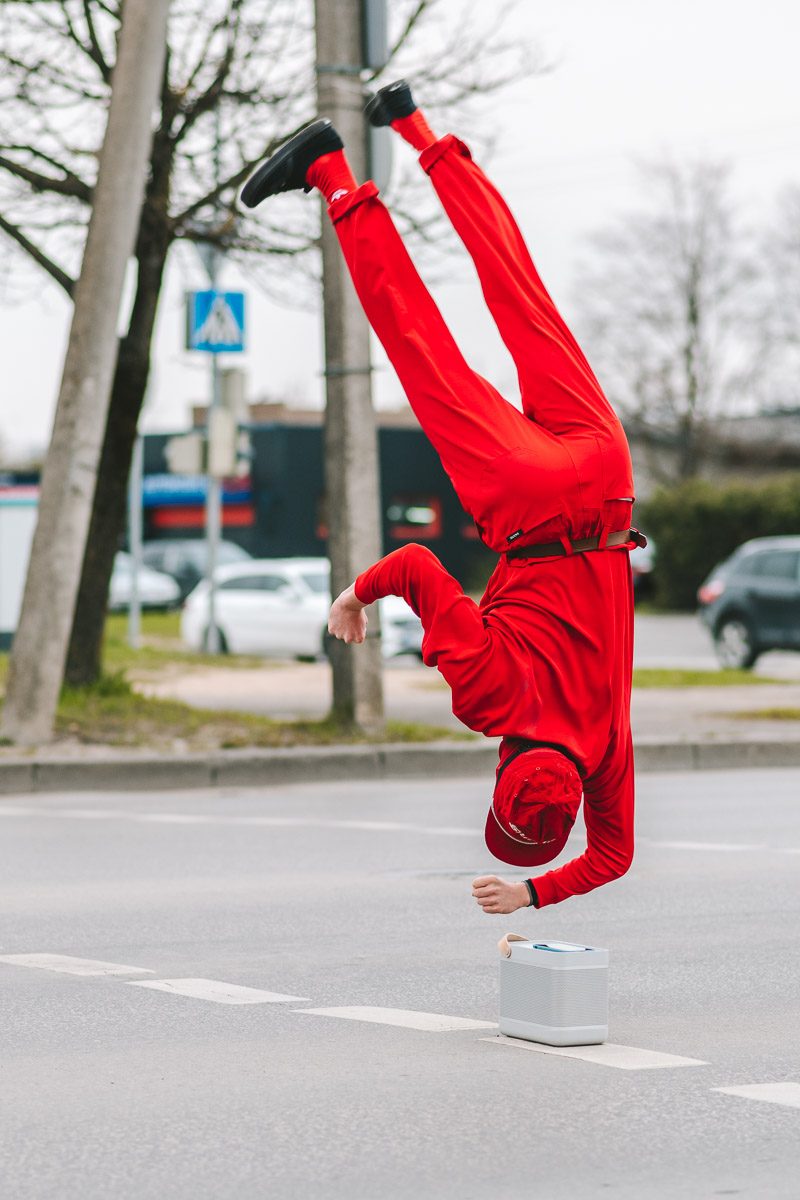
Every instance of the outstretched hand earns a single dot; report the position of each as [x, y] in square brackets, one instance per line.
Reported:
[498, 895]
[347, 619]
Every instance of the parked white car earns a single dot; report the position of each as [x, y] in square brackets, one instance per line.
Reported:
[279, 608]
[156, 590]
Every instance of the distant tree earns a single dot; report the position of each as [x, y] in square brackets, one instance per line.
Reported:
[669, 313]
[238, 81]
[782, 262]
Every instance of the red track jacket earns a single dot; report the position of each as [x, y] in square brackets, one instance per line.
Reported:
[545, 655]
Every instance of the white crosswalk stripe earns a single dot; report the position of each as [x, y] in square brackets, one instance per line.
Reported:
[217, 991]
[402, 1017]
[624, 1058]
[65, 964]
[786, 1093]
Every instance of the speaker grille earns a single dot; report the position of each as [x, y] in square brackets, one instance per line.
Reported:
[546, 997]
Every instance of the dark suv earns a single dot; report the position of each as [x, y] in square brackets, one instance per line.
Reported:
[751, 602]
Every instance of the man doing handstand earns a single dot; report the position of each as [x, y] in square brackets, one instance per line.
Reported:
[544, 661]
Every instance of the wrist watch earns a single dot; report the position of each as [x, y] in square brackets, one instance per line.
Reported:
[534, 899]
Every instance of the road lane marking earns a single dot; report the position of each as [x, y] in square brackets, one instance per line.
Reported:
[402, 1017]
[715, 846]
[366, 826]
[86, 814]
[267, 822]
[174, 818]
[624, 1058]
[65, 964]
[786, 1093]
[217, 991]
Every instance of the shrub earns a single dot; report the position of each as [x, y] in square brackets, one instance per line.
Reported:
[698, 524]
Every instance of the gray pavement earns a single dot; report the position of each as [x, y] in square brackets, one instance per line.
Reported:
[681, 640]
[415, 693]
[349, 894]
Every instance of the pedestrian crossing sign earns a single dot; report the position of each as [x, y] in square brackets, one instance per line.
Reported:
[215, 321]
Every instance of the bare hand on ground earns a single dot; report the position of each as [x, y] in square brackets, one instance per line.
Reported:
[348, 620]
[498, 895]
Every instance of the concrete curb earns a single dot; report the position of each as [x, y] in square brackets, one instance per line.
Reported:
[268, 768]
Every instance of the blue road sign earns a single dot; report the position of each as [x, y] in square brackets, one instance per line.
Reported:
[215, 321]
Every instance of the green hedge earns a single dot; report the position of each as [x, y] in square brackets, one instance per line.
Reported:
[697, 525]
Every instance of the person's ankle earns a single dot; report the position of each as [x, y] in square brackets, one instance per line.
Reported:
[415, 130]
[331, 174]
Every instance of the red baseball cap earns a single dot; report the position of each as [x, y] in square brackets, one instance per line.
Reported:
[536, 799]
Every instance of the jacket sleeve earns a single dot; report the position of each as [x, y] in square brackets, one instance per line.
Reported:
[452, 622]
[608, 801]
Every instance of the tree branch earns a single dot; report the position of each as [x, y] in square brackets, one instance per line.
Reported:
[407, 29]
[70, 185]
[38, 256]
[208, 99]
[232, 181]
[96, 54]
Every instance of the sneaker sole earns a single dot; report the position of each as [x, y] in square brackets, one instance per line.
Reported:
[379, 110]
[255, 190]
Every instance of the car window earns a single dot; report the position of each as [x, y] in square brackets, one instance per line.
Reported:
[770, 564]
[229, 552]
[317, 581]
[274, 583]
[243, 583]
[193, 554]
[172, 561]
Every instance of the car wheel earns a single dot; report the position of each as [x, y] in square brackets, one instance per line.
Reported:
[327, 641]
[735, 643]
[223, 644]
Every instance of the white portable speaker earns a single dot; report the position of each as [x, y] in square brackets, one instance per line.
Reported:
[553, 992]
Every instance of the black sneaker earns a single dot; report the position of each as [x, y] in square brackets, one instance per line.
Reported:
[393, 101]
[286, 170]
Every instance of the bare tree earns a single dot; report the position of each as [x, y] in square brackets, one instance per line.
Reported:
[36, 666]
[238, 81]
[782, 269]
[667, 305]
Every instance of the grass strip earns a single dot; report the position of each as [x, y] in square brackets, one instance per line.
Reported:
[663, 677]
[161, 647]
[667, 677]
[112, 714]
[767, 714]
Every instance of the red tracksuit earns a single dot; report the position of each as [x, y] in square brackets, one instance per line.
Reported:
[547, 654]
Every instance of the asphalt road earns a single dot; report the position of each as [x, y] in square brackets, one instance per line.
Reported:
[342, 896]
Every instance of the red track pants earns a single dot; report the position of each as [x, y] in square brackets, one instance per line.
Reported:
[560, 469]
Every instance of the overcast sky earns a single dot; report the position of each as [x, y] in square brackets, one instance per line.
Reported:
[712, 78]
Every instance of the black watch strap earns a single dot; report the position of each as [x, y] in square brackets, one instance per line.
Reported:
[534, 899]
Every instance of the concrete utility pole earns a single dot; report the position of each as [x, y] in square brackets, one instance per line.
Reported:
[351, 451]
[70, 471]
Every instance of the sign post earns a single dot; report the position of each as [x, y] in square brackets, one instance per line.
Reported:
[135, 542]
[215, 324]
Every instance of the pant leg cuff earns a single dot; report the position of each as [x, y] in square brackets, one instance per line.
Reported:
[345, 204]
[431, 154]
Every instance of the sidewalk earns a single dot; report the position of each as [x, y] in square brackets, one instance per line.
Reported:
[414, 693]
[674, 729]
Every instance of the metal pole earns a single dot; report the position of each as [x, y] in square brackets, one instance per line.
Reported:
[351, 449]
[135, 542]
[213, 518]
[213, 484]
